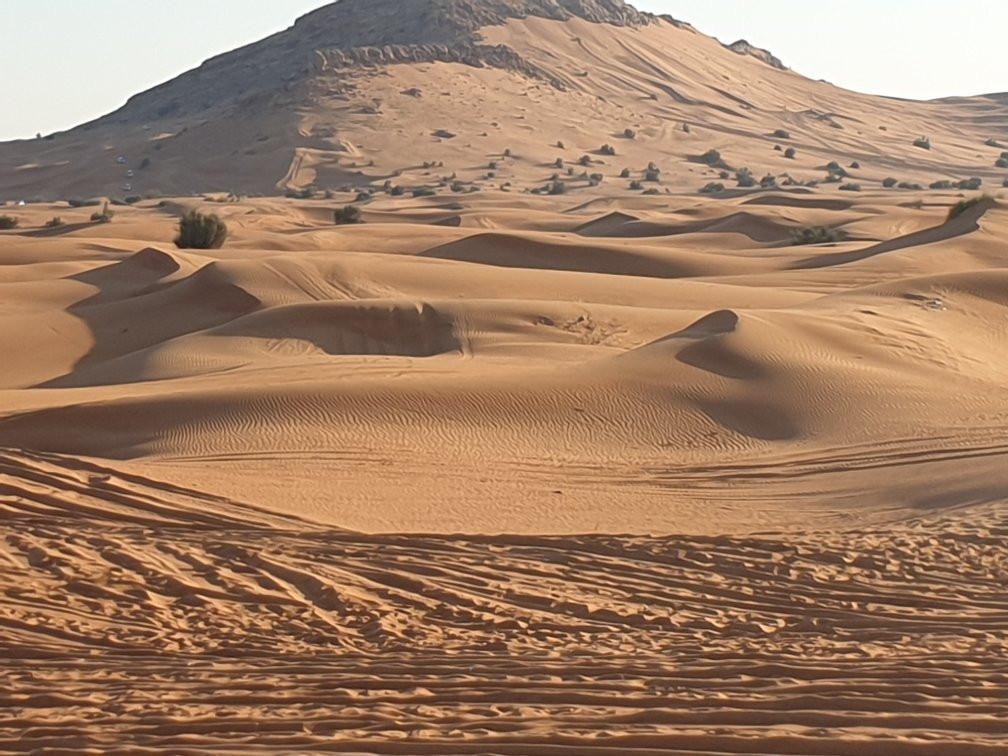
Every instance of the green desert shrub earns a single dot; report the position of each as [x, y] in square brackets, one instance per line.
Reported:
[970, 184]
[347, 215]
[625, 173]
[605, 149]
[768, 182]
[782, 134]
[201, 231]
[1001, 162]
[636, 186]
[55, 222]
[815, 235]
[7, 222]
[790, 153]
[962, 206]
[629, 133]
[557, 187]
[653, 173]
[712, 188]
[943, 184]
[855, 165]
[889, 183]
[585, 160]
[745, 179]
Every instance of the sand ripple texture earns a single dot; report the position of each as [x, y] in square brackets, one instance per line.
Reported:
[141, 617]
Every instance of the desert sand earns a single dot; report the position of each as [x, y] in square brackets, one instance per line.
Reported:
[719, 494]
[496, 471]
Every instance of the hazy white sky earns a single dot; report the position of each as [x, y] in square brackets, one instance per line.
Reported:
[68, 61]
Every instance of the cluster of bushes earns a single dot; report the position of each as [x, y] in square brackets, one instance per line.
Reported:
[962, 206]
[711, 158]
[347, 215]
[7, 222]
[607, 149]
[970, 184]
[201, 231]
[55, 222]
[816, 235]
[653, 173]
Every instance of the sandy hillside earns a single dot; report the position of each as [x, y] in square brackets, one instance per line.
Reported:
[613, 469]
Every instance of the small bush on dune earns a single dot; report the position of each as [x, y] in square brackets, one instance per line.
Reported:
[850, 188]
[816, 235]
[557, 187]
[625, 173]
[636, 186]
[8, 222]
[1001, 162]
[83, 202]
[745, 178]
[782, 134]
[606, 149]
[943, 184]
[970, 184]
[421, 192]
[346, 215]
[711, 158]
[889, 183]
[1005, 183]
[629, 133]
[105, 216]
[201, 231]
[923, 142]
[712, 188]
[962, 206]
[790, 153]
[55, 222]
[909, 186]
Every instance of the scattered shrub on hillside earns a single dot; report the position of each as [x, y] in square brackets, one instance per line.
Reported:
[558, 163]
[83, 202]
[768, 182]
[507, 152]
[105, 216]
[834, 167]
[201, 231]
[7, 222]
[778, 148]
[134, 198]
[724, 175]
[970, 184]
[629, 133]
[652, 191]
[492, 165]
[923, 142]
[745, 178]
[711, 158]
[607, 149]
[557, 187]
[816, 235]
[636, 186]
[1001, 162]
[686, 128]
[992, 142]
[570, 170]
[909, 186]
[625, 173]
[712, 188]
[855, 165]
[306, 193]
[943, 184]
[889, 183]
[850, 188]
[457, 186]
[653, 173]
[363, 196]
[347, 215]
[560, 145]
[585, 160]
[962, 206]
[424, 191]
[781, 134]
[596, 179]
[790, 153]
[55, 222]
[397, 191]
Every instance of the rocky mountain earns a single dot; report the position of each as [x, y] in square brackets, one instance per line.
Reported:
[498, 94]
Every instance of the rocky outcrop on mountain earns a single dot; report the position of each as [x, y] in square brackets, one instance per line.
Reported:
[742, 47]
[478, 56]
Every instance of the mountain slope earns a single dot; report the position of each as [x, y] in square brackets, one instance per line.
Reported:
[483, 92]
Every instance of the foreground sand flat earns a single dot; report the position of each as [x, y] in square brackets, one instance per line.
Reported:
[718, 494]
[141, 617]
